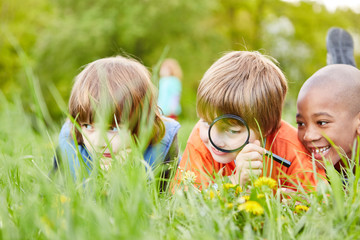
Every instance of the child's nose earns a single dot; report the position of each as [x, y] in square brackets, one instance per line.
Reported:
[218, 140]
[311, 135]
[99, 141]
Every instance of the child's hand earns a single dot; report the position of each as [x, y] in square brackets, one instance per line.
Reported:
[249, 162]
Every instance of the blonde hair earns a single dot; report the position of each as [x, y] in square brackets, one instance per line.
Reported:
[173, 66]
[120, 84]
[247, 84]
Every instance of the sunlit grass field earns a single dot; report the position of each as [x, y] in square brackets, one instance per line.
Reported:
[124, 203]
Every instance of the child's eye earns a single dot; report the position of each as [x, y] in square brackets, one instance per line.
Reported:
[88, 126]
[233, 131]
[300, 124]
[322, 123]
[113, 129]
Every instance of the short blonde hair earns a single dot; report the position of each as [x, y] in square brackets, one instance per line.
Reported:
[247, 84]
[124, 85]
[173, 66]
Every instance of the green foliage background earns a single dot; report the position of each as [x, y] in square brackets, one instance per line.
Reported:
[59, 37]
[44, 44]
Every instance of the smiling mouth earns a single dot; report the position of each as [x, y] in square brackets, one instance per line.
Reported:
[217, 152]
[320, 151]
[107, 155]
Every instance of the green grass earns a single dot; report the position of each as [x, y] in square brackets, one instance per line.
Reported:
[184, 132]
[123, 203]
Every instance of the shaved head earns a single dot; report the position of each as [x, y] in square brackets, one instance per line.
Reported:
[328, 113]
[340, 81]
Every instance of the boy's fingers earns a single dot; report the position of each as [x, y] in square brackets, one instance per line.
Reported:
[245, 158]
[249, 165]
[253, 156]
[255, 165]
[252, 147]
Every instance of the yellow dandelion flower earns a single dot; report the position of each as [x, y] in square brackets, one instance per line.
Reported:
[260, 196]
[229, 205]
[228, 185]
[189, 177]
[238, 190]
[243, 199]
[246, 197]
[301, 208]
[265, 181]
[252, 207]
[64, 199]
[211, 194]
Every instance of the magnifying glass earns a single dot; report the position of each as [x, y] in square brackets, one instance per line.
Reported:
[230, 133]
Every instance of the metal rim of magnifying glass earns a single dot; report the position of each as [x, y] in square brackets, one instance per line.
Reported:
[233, 117]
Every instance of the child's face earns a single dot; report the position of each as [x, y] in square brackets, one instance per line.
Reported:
[320, 114]
[165, 71]
[94, 140]
[240, 134]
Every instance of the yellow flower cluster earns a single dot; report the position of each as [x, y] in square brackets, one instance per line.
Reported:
[238, 190]
[189, 177]
[228, 185]
[244, 198]
[252, 207]
[265, 181]
[301, 208]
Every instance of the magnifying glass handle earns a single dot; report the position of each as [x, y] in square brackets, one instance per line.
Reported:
[279, 159]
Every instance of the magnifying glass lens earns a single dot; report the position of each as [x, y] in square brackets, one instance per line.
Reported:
[228, 134]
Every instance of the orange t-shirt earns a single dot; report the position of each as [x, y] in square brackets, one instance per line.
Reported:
[284, 142]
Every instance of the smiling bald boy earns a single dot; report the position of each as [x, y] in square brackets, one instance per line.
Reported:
[328, 107]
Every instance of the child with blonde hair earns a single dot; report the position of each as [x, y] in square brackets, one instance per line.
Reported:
[109, 102]
[170, 88]
[249, 85]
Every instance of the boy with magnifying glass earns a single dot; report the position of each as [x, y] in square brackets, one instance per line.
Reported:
[250, 86]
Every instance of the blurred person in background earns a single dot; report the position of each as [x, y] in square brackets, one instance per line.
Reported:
[170, 88]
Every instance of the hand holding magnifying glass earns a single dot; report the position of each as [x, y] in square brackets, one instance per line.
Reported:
[230, 129]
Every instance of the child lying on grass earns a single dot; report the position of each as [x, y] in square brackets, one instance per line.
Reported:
[248, 85]
[113, 103]
[328, 114]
